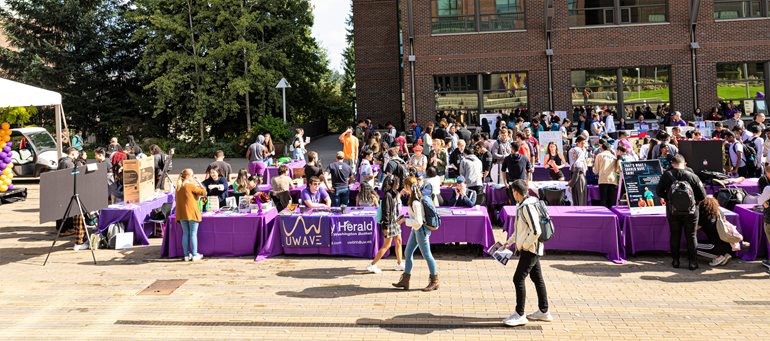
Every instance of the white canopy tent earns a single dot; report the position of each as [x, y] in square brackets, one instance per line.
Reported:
[15, 94]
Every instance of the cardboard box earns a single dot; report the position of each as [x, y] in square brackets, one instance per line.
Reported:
[138, 180]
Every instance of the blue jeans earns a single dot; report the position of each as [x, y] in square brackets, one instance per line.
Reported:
[421, 239]
[189, 237]
[340, 196]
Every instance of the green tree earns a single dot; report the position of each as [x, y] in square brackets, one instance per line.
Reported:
[349, 66]
[80, 49]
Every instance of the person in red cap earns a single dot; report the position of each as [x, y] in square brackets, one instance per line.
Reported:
[418, 161]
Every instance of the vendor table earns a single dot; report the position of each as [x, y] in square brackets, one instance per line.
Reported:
[222, 234]
[541, 173]
[354, 234]
[446, 192]
[459, 225]
[579, 228]
[133, 216]
[272, 171]
[752, 228]
[497, 195]
[651, 232]
[750, 185]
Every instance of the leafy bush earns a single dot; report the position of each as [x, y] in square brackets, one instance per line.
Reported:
[273, 125]
[204, 149]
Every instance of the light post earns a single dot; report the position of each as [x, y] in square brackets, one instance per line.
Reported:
[283, 84]
[355, 108]
[639, 83]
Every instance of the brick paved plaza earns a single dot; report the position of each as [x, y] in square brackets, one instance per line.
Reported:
[312, 298]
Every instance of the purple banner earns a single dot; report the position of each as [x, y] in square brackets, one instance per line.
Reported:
[352, 232]
[305, 231]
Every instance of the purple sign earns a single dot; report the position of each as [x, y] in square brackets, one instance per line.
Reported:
[352, 232]
[305, 231]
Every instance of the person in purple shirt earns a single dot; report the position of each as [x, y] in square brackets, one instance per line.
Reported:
[677, 121]
[314, 195]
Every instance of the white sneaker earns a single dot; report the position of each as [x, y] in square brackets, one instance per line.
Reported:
[187, 258]
[373, 269]
[540, 316]
[79, 247]
[727, 259]
[717, 261]
[400, 267]
[515, 320]
[197, 257]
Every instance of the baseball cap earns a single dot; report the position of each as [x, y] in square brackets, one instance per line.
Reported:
[460, 179]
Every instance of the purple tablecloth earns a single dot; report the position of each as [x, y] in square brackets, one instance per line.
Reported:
[579, 228]
[593, 194]
[272, 171]
[651, 232]
[752, 229]
[363, 244]
[496, 196]
[749, 185]
[134, 216]
[474, 227]
[222, 235]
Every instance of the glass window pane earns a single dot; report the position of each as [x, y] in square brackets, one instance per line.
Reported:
[505, 91]
[589, 13]
[453, 16]
[732, 90]
[501, 15]
[735, 9]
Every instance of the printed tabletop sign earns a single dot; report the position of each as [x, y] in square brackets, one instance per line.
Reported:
[640, 179]
[305, 231]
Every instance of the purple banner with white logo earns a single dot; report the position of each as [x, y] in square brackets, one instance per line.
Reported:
[352, 235]
[305, 231]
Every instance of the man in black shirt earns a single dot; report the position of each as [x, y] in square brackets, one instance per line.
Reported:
[464, 133]
[341, 175]
[515, 167]
[486, 161]
[456, 155]
[677, 223]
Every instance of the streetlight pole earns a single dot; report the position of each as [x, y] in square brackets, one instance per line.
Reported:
[283, 84]
[639, 83]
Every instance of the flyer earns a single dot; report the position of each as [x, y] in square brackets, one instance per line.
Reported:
[640, 179]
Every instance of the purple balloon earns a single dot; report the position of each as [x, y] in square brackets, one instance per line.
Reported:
[3, 155]
[9, 144]
[7, 159]
[2, 166]
[7, 149]
[10, 187]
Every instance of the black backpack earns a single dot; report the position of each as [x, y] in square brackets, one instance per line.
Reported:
[399, 170]
[681, 199]
[729, 197]
[749, 154]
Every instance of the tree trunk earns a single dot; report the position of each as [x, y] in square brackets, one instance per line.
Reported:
[197, 70]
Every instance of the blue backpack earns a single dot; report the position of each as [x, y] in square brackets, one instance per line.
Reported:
[432, 218]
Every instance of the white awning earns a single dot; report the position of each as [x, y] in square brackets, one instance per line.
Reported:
[14, 94]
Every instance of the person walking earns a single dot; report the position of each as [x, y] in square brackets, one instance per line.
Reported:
[390, 223]
[683, 191]
[526, 235]
[420, 236]
[188, 191]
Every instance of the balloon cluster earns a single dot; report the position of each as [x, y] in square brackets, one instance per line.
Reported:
[6, 165]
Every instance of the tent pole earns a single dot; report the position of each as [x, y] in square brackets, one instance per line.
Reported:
[58, 115]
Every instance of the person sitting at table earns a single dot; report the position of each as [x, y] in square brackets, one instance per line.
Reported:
[240, 185]
[554, 161]
[709, 213]
[434, 181]
[462, 196]
[188, 191]
[314, 195]
[282, 182]
[367, 196]
[216, 184]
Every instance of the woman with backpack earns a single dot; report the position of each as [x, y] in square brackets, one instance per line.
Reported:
[420, 236]
[390, 223]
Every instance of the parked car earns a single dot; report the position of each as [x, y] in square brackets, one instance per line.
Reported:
[33, 151]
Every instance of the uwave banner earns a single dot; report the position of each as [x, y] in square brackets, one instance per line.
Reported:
[342, 233]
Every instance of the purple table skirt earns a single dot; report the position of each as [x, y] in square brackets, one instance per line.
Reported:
[134, 217]
[651, 232]
[473, 228]
[749, 185]
[272, 171]
[273, 247]
[752, 229]
[579, 228]
[222, 236]
[496, 196]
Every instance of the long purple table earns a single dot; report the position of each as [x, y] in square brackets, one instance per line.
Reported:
[221, 235]
[472, 227]
[579, 228]
[272, 171]
[446, 192]
[750, 185]
[752, 229]
[651, 232]
[541, 173]
[133, 216]
[350, 234]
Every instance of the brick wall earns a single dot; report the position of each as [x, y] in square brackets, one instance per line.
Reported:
[628, 46]
[378, 88]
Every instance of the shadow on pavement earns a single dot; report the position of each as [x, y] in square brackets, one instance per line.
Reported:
[334, 291]
[426, 323]
[668, 274]
[323, 273]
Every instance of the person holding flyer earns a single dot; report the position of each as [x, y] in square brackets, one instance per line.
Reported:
[526, 235]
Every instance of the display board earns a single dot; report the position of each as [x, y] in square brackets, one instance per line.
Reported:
[56, 189]
[138, 180]
[640, 179]
[546, 137]
[702, 155]
[492, 119]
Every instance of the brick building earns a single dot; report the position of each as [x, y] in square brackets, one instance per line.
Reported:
[417, 57]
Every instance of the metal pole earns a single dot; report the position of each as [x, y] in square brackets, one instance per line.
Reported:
[284, 105]
[639, 83]
[58, 113]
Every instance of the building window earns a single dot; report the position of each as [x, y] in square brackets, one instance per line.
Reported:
[458, 95]
[739, 9]
[643, 87]
[740, 84]
[616, 12]
[459, 16]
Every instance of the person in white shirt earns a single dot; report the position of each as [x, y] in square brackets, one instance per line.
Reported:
[609, 123]
[418, 238]
[737, 158]
[578, 166]
[758, 144]
[432, 179]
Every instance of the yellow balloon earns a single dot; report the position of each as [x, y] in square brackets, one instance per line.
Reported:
[3, 177]
[3, 188]
[5, 125]
[7, 181]
[10, 165]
